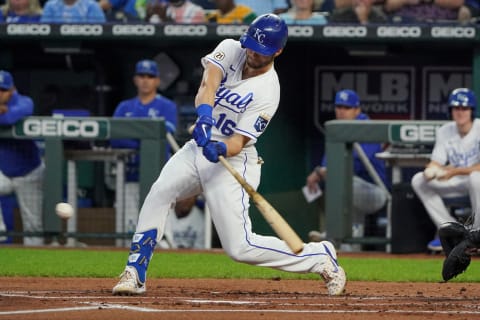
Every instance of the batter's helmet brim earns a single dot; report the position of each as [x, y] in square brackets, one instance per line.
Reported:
[252, 44]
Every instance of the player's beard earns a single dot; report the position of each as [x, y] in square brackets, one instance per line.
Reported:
[259, 63]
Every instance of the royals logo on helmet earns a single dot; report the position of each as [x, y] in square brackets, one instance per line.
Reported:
[259, 35]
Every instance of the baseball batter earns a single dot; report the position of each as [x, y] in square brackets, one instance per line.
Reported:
[454, 169]
[236, 100]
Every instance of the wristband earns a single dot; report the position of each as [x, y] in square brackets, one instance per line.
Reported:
[204, 110]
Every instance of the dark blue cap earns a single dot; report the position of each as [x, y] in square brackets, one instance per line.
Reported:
[6, 80]
[147, 67]
[347, 98]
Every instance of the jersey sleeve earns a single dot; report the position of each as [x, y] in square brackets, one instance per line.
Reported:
[223, 55]
[17, 110]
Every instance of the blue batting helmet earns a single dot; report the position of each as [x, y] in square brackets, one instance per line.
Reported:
[348, 98]
[266, 35]
[462, 97]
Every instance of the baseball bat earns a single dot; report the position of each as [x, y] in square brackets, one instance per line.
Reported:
[272, 216]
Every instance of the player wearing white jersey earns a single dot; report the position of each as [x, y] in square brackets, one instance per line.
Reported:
[238, 96]
[454, 169]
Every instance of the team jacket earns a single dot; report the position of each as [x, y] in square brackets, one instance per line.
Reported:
[19, 156]
[133, 108]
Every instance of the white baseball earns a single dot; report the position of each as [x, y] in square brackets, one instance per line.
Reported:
[430, 172]
[440, 173]
[64, 210]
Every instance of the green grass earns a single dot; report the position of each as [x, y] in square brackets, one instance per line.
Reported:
[102, 263]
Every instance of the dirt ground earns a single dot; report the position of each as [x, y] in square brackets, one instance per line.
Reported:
[87, 298]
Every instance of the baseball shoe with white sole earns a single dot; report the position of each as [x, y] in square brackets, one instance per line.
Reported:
[129, 285]
[333, 275]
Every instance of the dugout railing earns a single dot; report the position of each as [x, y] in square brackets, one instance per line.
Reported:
[341, 135]
[150, 132]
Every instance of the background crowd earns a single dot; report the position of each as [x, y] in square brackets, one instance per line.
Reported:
[314, 12]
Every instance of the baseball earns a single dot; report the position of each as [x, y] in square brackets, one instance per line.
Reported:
[430, 172]
[440, 173]
[64, 210]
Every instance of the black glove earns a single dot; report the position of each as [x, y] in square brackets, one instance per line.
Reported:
[457, 261]
[459, 245]
[450, 235]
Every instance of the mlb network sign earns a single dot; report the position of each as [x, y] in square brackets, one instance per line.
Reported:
[414, 132]
[386, 92]
[438, 82]
[63, 128]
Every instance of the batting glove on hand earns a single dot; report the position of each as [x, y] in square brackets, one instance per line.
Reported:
[214, 149]
[203, 130]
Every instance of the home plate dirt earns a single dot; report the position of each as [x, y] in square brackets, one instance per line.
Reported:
[87, 298]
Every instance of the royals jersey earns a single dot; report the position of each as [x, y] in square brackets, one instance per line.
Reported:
[241, 106]
[186, 232]
[450, 148]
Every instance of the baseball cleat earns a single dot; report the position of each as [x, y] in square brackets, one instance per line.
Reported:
[333, 275]
[435, 245]
[129, 284]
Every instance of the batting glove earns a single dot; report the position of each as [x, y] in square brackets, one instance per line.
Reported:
[203, 127]
[213, 149]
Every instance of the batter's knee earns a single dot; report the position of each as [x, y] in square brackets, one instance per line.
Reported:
[474, 180]
[418, 180]
[241, 253]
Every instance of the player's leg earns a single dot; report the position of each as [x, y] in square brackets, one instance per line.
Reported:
[229, 205]
[431, 193]
[6, 187]
[367, 198]
[474, 192]
[29, 192]
[178, 179]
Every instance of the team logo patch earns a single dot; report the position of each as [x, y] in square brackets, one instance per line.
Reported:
[261, 122]
[219, 56]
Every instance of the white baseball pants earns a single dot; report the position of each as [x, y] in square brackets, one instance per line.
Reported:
[431, 194]
[29, 192]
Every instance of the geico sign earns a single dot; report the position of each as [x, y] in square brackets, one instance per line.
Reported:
[29, 29]
[61, 128]
[300, 31]
[81, 30]
[185, 30]
[231, 30]
[133, 29]
[345, 31]
[400, 32]
[418, 133]
[453, 32]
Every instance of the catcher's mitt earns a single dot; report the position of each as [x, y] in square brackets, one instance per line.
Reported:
[457, 261]
[450, 235]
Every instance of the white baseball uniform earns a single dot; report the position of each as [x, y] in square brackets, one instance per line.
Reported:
[187, 231]
[457, 151]
[244, 107]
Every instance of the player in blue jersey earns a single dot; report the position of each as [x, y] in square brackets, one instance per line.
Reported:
[147, 104]
[367, 196]
[21, 168]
